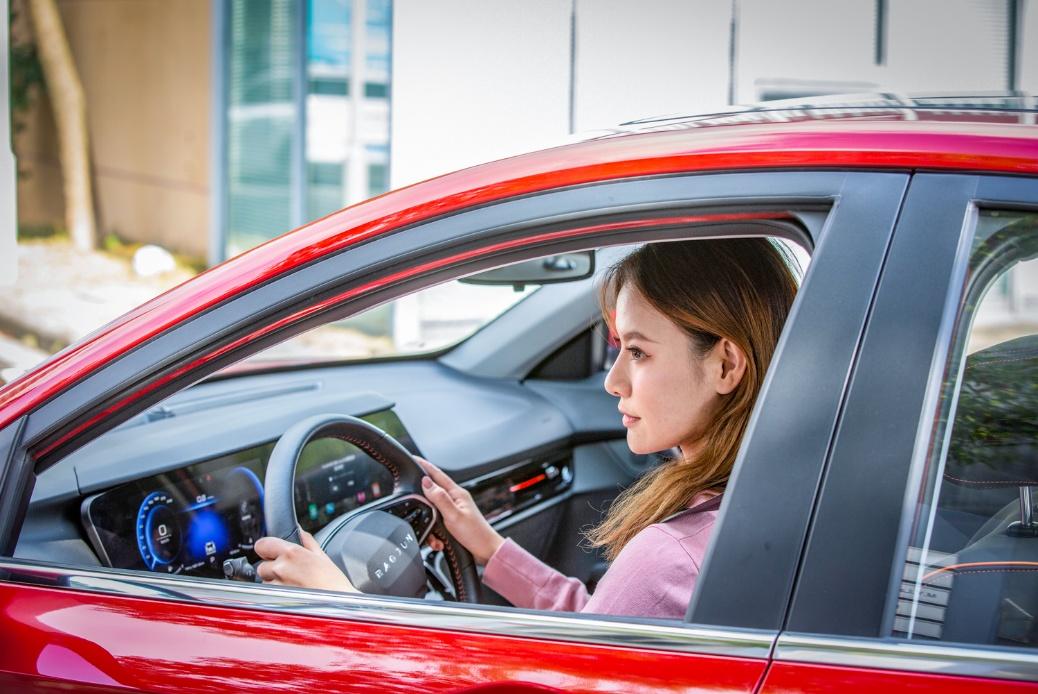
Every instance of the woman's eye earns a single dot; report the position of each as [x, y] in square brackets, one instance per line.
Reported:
[635, 353]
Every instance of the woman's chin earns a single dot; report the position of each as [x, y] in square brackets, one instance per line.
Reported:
[637, 446]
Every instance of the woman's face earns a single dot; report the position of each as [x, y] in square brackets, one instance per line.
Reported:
[668, 394]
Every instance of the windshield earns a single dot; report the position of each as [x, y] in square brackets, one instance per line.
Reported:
[425, 321]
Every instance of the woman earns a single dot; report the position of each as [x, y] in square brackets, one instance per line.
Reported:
[696, 323]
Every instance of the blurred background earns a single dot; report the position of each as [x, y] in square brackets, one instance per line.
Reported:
[210, 126]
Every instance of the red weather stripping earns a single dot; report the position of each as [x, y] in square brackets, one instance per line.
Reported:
[981, 147]
[528, 483]
[389, 280]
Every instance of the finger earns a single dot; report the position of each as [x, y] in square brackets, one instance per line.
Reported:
[271, 547]
[265, 570]
[435, 543]
[438, 476]
[308, 541]
[440, 498]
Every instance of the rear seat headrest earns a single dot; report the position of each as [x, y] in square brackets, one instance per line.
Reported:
[995, 436]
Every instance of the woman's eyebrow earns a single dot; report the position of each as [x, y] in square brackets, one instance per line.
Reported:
[635, 335]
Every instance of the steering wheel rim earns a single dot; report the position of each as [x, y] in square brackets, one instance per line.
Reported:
[279, 497]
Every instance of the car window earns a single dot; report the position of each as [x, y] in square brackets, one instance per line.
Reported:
[425, 321]
[970, 574]
[180, 488]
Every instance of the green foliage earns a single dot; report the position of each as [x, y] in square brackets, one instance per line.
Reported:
[115, 245]
[997, 418]
[26, 77]
[41, 232]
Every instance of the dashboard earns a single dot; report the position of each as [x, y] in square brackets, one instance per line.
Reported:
[189, 520]
[196, 463]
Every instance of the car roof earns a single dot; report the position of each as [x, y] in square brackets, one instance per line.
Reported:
[988, 134]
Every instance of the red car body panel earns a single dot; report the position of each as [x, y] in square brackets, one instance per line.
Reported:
[803, 678]
[882, 144]
[153, 645]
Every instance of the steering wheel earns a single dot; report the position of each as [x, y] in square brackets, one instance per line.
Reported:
[377, 546]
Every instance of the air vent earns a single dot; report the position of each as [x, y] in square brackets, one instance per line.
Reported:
[505, 493]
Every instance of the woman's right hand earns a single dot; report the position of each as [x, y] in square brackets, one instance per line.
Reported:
[459, 512]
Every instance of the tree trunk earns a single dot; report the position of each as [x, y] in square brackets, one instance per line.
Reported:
[69, 105]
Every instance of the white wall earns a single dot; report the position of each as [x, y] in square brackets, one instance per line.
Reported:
[476, 80]
[828, 45]
[931, 45]
[947, 45]
[1028, 50]
[646, 58]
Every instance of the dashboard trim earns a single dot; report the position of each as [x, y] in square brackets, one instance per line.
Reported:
[91, 530]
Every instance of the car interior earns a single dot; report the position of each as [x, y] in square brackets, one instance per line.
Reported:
[516, 412]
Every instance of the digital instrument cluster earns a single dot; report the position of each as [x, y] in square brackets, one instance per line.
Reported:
[191, 519]
[184, 521]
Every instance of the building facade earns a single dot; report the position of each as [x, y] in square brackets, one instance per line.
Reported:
[217, 124]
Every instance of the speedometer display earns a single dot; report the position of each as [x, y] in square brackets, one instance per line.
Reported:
[158, 532]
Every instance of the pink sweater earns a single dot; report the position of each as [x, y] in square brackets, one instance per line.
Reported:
[653, 576]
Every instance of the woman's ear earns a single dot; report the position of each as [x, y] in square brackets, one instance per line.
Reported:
[732, 363]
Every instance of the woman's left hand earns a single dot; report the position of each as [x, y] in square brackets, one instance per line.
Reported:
[306, 566]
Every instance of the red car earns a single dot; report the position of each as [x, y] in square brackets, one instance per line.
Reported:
[878, 531]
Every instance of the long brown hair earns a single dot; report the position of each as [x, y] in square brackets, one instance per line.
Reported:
[740, 289]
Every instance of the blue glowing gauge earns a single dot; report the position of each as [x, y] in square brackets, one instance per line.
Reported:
[158, 532]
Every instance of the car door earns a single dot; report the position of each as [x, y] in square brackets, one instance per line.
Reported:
[913, 574]
[106, 629]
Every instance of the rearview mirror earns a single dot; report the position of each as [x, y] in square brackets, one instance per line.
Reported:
[567, 267]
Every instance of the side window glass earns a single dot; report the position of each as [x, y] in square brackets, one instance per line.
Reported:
[971, 570]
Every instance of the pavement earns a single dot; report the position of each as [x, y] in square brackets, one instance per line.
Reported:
[16, 358]
[62, 295]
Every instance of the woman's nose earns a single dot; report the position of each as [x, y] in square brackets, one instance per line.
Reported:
[616, 379]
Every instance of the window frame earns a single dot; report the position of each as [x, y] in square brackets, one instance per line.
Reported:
[882, 442]
[862, 209]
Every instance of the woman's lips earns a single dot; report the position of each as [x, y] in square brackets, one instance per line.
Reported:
[629, 420]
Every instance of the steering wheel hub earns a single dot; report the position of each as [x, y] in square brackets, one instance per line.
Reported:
[379, 553]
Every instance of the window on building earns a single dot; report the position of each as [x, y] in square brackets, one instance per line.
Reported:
[299, 131]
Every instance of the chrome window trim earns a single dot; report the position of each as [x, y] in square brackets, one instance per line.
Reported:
[480, 619]
[890, 654]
